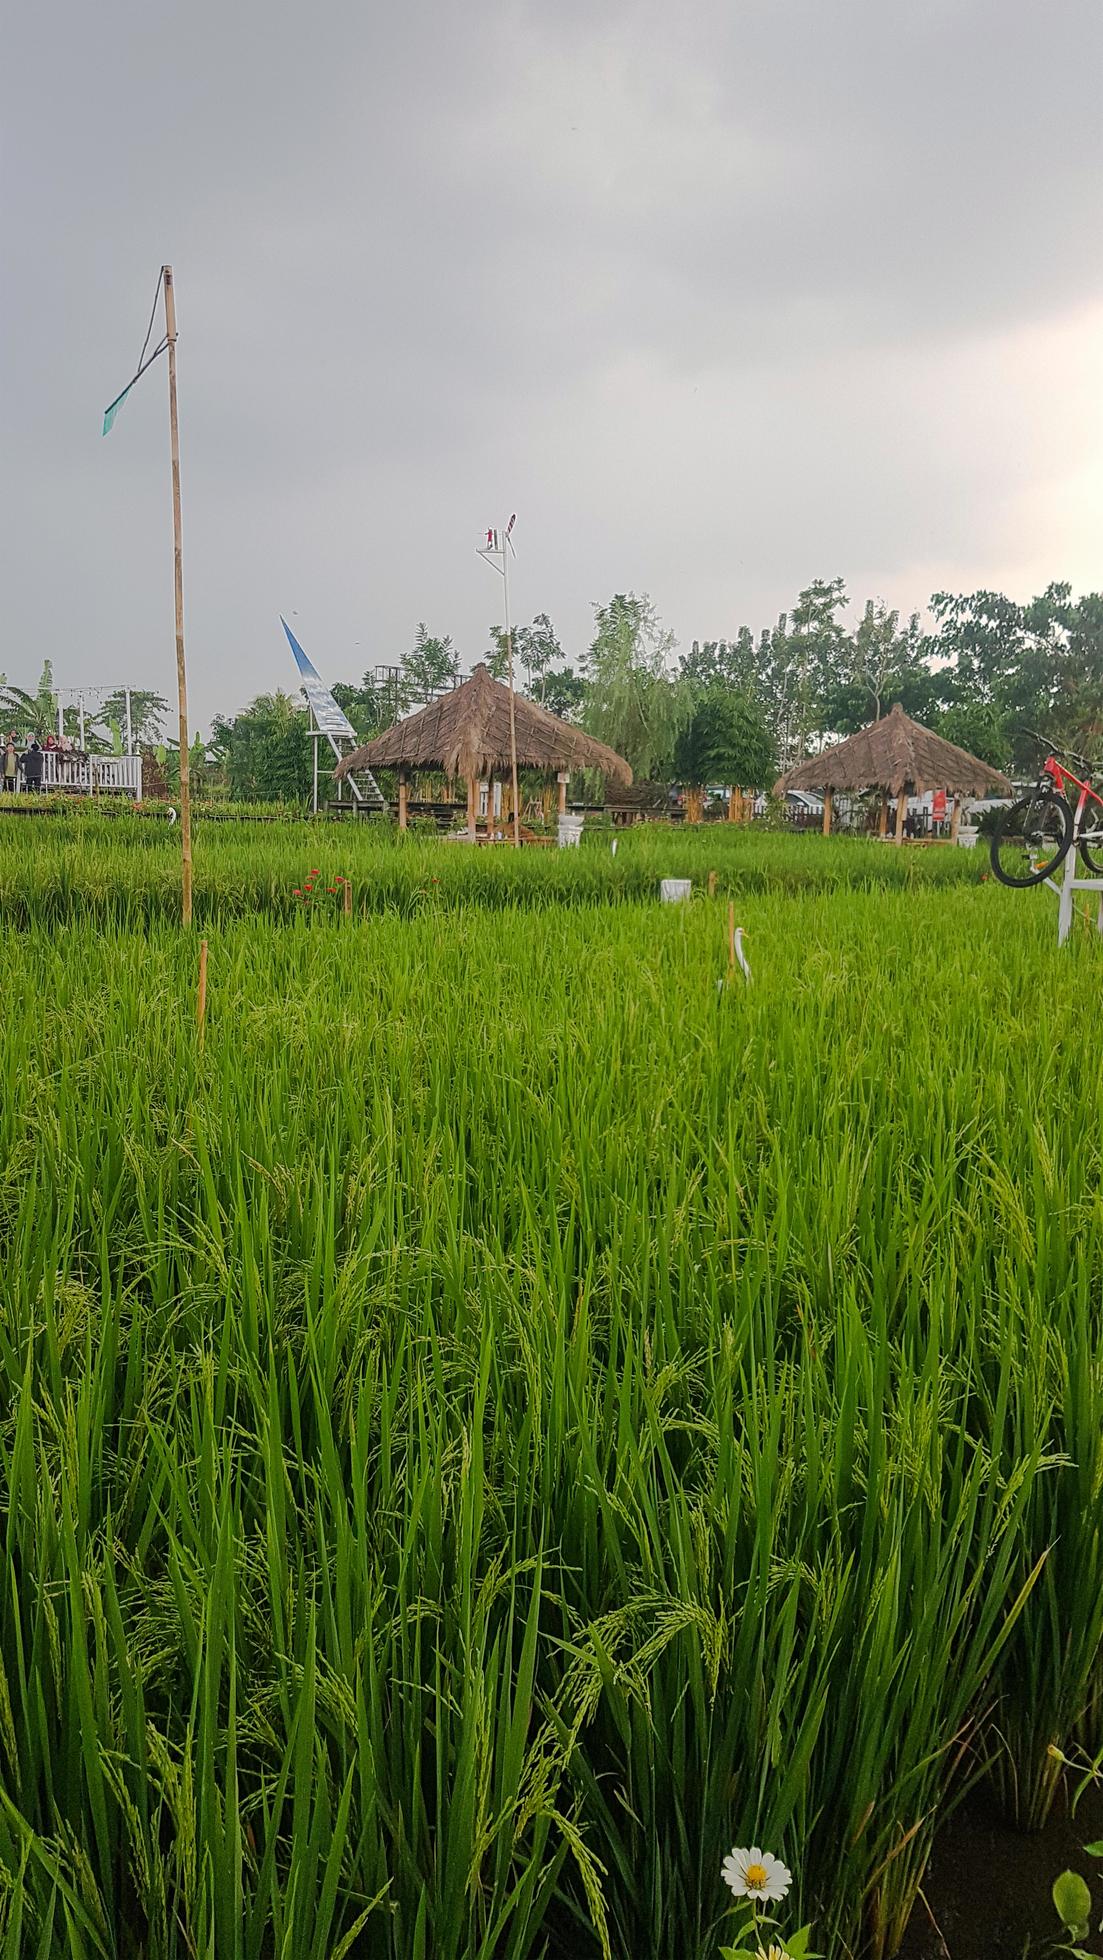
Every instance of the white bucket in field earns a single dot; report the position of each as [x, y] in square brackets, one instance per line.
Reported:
[570, 830]
[672, 891]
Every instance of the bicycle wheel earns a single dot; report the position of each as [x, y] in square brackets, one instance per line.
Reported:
[1031, 839]
[1090, 840]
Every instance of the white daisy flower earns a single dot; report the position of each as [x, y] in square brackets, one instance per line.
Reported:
[755, 1874]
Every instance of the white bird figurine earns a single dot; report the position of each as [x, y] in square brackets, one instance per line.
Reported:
[741, 955]
[735, 952]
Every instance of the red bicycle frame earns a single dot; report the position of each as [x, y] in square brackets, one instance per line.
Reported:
[1061, 778]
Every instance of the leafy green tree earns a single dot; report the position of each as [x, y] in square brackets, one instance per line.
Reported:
[991, 670]
[431, 666]
[563, 692]
[1035, 667]
[35, 712]
[726, 740]
[265, 751]
[978, 727]
[147, 715]
[21, 710]
[367, 706]
[980, 636]
[633, 701]
[1079, 705]
[737, 663]
[496, 658]
[882, 663]
[536, 651]
[202, 768]
[811, 653]
[789, 669]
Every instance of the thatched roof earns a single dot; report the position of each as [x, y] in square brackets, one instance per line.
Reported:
[651, 799]
[896, 754]
[466, 733]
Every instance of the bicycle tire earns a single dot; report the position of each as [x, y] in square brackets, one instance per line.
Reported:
[1034, 837]
[1087, 845]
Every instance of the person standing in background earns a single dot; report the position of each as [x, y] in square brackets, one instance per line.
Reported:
[32, 768]
[11, 764]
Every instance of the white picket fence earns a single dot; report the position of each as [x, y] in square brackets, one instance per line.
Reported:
[91, 774]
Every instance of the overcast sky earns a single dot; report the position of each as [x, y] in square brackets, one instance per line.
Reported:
[719, 298]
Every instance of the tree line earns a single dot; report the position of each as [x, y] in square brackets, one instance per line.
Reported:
[994, 675]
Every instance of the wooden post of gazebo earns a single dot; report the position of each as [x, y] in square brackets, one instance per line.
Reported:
[955, 819]
[562, 778]
[403, 798]
[827, 813]
[883, 819]
[472, 807]
[901, 809]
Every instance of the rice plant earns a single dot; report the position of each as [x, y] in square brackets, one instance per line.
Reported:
[506, 1421]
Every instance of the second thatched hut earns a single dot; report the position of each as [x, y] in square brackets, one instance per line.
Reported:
[901, 758]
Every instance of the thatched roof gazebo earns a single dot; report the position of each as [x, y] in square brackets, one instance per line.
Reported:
[901, 758]
[467, 734]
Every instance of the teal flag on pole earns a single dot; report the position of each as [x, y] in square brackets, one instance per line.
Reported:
[113, 408]
[109, 414]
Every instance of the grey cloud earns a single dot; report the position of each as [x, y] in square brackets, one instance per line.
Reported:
[704, 292]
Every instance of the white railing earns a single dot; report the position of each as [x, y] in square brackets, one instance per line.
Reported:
[89, 774]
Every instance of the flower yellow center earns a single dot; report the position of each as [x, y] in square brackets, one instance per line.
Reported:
[756, 1876]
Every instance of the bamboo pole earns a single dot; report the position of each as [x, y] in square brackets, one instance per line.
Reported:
[955, 819]
[512, 696]
[403, 796]
[178, 569]
[883, 819]
[201, 1001]
[901, 811]
[827, 813]
[472, 806]
[712, 884]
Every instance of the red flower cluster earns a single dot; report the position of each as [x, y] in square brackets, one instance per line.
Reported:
[306, 892]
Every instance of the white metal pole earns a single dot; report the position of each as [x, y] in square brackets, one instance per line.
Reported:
[315, 772]
[129, 727]
[512, 700]
[80, 717]
[60, 718]
[1067, 896]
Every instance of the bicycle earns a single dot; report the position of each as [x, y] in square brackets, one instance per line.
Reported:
[1034, 837]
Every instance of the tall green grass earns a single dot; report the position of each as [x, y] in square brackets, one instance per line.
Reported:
[126, 870]
[506, 1421]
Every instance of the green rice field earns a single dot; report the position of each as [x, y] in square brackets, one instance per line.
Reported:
[516, 1413]
[127, 870]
